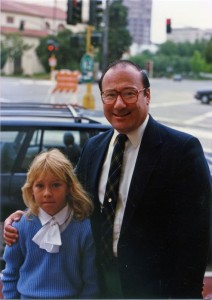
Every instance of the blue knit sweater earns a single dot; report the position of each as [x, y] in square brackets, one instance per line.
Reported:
[32, 272]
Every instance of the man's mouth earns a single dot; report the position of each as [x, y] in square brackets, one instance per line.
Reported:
[121, 115]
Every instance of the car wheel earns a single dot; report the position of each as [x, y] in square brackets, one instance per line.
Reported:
[205, 100]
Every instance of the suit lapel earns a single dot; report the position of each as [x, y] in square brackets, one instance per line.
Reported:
[149, 152]
[98, 155]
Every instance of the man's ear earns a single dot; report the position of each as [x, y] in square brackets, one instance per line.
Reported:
[148, 96]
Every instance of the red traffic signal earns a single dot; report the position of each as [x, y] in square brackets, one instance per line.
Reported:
[50, 48]
[168, 26]
[50, 45]
[74, 12]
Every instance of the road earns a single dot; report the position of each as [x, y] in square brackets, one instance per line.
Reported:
[172, 102]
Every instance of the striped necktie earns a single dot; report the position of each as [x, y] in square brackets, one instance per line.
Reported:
[110, 199]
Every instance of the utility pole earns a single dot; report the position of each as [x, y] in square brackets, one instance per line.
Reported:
[88, 99]
[89, 48]
[55, 17]
[105, 37]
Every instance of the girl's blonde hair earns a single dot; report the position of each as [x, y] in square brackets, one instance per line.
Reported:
[54, 162]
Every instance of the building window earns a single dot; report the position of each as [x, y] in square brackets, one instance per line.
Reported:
[10, 20]
[47, 25]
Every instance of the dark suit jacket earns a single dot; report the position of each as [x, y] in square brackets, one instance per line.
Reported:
[164, 240]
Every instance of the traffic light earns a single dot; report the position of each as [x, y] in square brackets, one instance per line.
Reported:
[76, 40]
[96, 38]
[95, 12]
[56, 46]
[74, 12]
[168, 26]
[50, 47]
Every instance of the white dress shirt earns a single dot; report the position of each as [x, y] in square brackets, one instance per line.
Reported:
[130, 155]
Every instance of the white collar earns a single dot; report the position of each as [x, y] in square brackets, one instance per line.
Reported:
[59, 217]
[134, 136]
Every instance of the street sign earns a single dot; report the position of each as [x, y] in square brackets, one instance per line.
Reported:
[87, 66]
[87, 77]
[87, 63]
[52, 61]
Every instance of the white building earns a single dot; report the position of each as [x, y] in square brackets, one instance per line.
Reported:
[139, 20]
[36, 21]
[188, 34]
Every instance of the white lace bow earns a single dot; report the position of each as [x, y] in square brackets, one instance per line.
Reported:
[48, 237]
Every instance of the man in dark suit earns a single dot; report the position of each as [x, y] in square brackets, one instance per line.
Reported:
[161, 231]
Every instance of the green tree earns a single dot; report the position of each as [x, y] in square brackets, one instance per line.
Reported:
[197, 63]
[69, 51]
[119, 39]
[168, 48]
[141, 59]
[176, 58]
[4, 54]
[208, 52]
[184, 49]
[13, 48]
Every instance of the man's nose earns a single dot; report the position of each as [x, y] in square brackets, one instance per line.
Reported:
[119, 102]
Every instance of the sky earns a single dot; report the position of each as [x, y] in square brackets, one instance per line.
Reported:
[183, 13]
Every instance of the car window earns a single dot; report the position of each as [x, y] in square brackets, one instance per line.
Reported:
[10, 145]
[70, 142]
[33, 148]
[55, 139]
[19, 147]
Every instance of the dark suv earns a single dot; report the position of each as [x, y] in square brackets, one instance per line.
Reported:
[204, 95]
[27, 129]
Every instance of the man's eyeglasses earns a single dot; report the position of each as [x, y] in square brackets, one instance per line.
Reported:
[128, 95]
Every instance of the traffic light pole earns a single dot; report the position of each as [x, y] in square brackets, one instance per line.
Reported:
[89, 48]
[105, 37]
[88, 99]
[52, 64]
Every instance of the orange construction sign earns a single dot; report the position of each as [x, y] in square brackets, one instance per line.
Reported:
[66, 81]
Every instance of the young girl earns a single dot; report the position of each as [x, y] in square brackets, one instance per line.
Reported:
[54, 256]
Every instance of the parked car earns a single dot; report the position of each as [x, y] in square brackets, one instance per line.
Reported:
[27, 129]
[177, 77]
[204, 95]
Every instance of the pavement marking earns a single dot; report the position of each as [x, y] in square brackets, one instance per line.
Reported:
[204, 136]
[198, 118]
[196, 132]
[178, 121]
[173, 103]
[35, 82]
